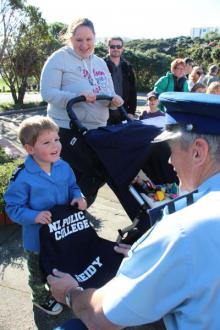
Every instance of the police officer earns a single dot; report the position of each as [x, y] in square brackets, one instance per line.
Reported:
[173, 271]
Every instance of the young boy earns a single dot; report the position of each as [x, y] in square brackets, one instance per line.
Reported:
[152, 109]
[43, 181]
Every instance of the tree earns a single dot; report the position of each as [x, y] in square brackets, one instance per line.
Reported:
[25, 55]
[216, 55]
[54, 30]
[9, 13]
[101, 50]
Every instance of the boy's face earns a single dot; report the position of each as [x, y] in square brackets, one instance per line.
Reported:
[47, 148]
[152, 101]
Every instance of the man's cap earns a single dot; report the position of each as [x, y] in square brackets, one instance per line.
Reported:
[190, 112]
[152, 94]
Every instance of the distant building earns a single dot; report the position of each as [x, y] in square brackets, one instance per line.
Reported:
[201, 31]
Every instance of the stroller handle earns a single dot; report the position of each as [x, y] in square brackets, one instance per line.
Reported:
[74, 121]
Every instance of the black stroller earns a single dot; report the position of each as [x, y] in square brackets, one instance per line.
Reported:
[114, 154]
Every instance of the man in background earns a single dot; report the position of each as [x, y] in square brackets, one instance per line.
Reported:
[188, 66]
[123, 78]
[211, 75]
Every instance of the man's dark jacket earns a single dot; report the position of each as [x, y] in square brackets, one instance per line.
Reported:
[129, 84]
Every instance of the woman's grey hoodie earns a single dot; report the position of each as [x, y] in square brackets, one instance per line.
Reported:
[66, 75]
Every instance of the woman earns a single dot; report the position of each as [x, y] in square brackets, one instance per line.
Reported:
[174, 81]
[196, 76]
[71, 71]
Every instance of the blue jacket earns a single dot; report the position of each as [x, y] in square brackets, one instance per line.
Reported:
[32, 190]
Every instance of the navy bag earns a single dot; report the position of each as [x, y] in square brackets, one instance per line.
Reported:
[70, 244]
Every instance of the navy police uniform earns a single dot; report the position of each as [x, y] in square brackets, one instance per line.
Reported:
[173, 271]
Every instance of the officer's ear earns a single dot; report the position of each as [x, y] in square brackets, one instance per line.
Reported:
[200, 151]
[28, 148]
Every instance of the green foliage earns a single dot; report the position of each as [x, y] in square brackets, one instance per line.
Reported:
[7, 167]
[5, 158]
[101, 49]
[216, 55]
[212, 36]
[56, 28]
[25, 55]
[32, 40]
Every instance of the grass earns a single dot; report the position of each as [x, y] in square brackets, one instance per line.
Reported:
[3, 85]
[11, 106]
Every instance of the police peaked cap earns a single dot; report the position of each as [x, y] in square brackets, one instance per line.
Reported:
[190, 112]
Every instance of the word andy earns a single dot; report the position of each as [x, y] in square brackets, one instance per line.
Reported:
[90, 270]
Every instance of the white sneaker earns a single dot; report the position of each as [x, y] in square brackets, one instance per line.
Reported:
[51, 307]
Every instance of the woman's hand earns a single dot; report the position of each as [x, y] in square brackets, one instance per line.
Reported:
[90, 97]
[131, 116]
[117, 101]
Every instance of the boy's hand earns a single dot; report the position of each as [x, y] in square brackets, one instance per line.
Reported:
[80, 203]
[44, 217]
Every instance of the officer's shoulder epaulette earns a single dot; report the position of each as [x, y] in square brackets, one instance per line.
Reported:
[157, 212]
[17, 171]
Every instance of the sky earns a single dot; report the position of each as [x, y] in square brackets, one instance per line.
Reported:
[134, 19]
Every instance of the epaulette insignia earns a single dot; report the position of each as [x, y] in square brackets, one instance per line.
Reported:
[16, 172]
[156, 213]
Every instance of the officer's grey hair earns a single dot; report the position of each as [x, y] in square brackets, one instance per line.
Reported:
[212, 140]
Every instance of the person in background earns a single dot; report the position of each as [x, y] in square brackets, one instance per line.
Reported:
[198, 88]
[152, 107]
[71, 71]
[39, 184]
[172, 271]
[123, 78]
[213, 88]
[174, 81]
[189, 63]
[211, 75]
[196, 76]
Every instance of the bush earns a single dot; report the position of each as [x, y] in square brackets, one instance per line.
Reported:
[5, 158]
[7, 167]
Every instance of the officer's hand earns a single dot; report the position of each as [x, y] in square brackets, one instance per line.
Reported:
[44, 217]
[60, 283]
[123, 249]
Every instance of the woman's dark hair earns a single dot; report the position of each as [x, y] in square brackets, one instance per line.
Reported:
[197, 86]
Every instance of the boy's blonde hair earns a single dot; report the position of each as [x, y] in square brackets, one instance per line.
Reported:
[32, 127]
